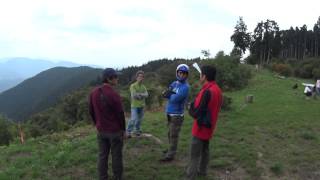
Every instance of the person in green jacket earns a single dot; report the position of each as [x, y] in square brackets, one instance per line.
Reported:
[138, 95]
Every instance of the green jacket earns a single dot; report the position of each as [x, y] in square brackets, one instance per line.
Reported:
[138, 95]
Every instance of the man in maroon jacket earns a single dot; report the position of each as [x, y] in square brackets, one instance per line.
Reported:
[205, 111]
[108, 116]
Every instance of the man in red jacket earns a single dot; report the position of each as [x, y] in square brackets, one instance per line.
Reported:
[204, 110]
[108, 116]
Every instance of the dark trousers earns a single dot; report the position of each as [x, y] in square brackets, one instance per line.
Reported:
[199, 158]
[174, 125]
[110, 142]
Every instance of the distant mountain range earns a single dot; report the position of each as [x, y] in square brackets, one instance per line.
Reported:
[9, 83]
[44, 90]
[15, 70]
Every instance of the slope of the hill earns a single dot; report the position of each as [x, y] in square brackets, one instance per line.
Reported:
[15, 70]
[43, 90]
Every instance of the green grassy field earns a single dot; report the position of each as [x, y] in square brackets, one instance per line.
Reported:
[275, 137]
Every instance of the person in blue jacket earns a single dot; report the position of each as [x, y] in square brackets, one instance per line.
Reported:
[177, 94]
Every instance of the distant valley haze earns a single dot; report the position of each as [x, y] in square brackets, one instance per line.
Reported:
[15, 70]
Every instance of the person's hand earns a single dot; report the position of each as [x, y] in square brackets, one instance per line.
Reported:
[166, 93]
[140, 97]
[189, 105]
[137, 97]
[123, 135]
[191, 110]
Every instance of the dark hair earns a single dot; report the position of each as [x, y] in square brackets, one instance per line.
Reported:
[108, 74]
[209, 71]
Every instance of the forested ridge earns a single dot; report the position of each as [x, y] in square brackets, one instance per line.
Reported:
[268, 41]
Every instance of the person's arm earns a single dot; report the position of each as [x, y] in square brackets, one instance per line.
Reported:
[306, 89]
[91, 110]
[196, 112]
[122, 120]
[118, 110]
[145, 94]
[168, 92]
[181, 95]
[134, 93]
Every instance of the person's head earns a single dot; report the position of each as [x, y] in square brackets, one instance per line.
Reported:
[140, 76]
[182, 72]
[110, 76]
[208, 73]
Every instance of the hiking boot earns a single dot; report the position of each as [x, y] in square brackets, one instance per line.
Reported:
[166, 159]
[116, 178]
[129, 135]
[199, 174]
[137, 133]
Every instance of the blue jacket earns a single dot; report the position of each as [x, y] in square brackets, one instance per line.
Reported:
[178, 99]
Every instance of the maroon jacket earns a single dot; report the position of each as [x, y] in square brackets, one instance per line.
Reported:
[106, 109]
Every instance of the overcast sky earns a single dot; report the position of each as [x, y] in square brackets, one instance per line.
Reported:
[132, 32]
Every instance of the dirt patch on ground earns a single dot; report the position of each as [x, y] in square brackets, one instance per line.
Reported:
[134, 147]
[147, 136]
[78, 173]
[73, 173]
[309, 174]
[225, 174]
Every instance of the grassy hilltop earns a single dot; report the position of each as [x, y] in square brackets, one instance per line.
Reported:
[275, 137]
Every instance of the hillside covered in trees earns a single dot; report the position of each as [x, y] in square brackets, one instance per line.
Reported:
[43, 90]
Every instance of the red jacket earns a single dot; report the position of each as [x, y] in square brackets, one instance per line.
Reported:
[214, 106]
[106, 109]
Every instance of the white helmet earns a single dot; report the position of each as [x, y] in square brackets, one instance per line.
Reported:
[183, 68]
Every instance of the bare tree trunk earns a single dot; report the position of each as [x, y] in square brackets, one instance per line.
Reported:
[268, 56]
[264, 56]
[298, 51]
[21, 134]
[260, 57]
[295, 52]
[316, 47]
[304, 48]
[311, 48]
[289, 53]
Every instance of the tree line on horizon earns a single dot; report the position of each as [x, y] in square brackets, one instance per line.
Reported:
[267, 42]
